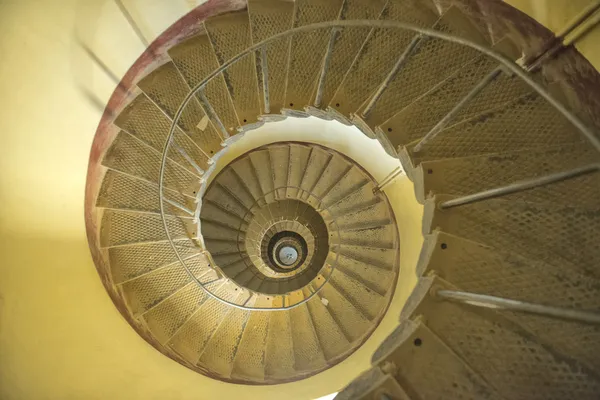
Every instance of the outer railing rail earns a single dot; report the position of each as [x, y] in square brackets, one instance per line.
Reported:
[422, 34]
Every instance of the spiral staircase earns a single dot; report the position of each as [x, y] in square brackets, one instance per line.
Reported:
[283, 262]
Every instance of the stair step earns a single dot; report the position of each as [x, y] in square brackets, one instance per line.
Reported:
[371, 304]
[268, 18]
[381, 236]
[358, 199]
[230, 180]
[370, 384]
[354, 179]
[477, 268]
[331, 337]
[564, 236]
[373, 215]
[434, 369]
[167, 89]
[212, 212]
[235, 268]
[378, 55]
[227, 199]
[130, 156]
[307, 50]
[299, 157]
[230, 35]
[280, 160]
[167, 317]
[376, 257]
[219, 353]
[336, 169]
[346, 45]
[261, 163]
[317, 163]
[528, 122]
[508, 357]
[411, 123]
[372, 277]
[129, 262]
[144, 120]
[349, 318]
[124, 227]
[308, 353]
[120, 191]
[249, 362]
[213, 230]
[149, 290]
[192, 335]
[463, 176]
[196, 59]
[279, 353]
[433, 60]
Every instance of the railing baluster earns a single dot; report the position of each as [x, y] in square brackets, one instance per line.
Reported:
[264, 67]
[482, 300]
[179, 206]
[412, 46]
[132, 23]
[521, 186]
[326, 62]
[189, 159]
[210, 111]
[465, 100]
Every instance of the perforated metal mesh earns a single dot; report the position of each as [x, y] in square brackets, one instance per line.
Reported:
[125, 192]
[131, 261]
[167, 317]
[351, 321]
[196, 59]
[475, 174]
[359, 199]
[279, 353]
[369, 303]
[167, 88]
[381, 236]
[382, 258]
[299, 156]
[147, 291]
[564, 236]
[250, 360]
[130, 156]
[412, 123]
[336, 170]
[191, 338]
[349, 183]
[529, 122]
[378, 55]
[220, 352]
[280, 161]
[497, 350]
[432, 61]
[377, 279]
[307, 50]
[434, 368]
[121, 227]
[230, 35]
[143, 119]
[348, 43]
[308, 353]
[268, 18]
[373, 215]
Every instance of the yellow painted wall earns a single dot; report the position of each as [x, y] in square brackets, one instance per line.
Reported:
[60, 335]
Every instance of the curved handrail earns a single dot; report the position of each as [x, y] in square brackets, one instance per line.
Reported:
[586, 131]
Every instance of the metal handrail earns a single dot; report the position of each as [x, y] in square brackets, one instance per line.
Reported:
[513, 68]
